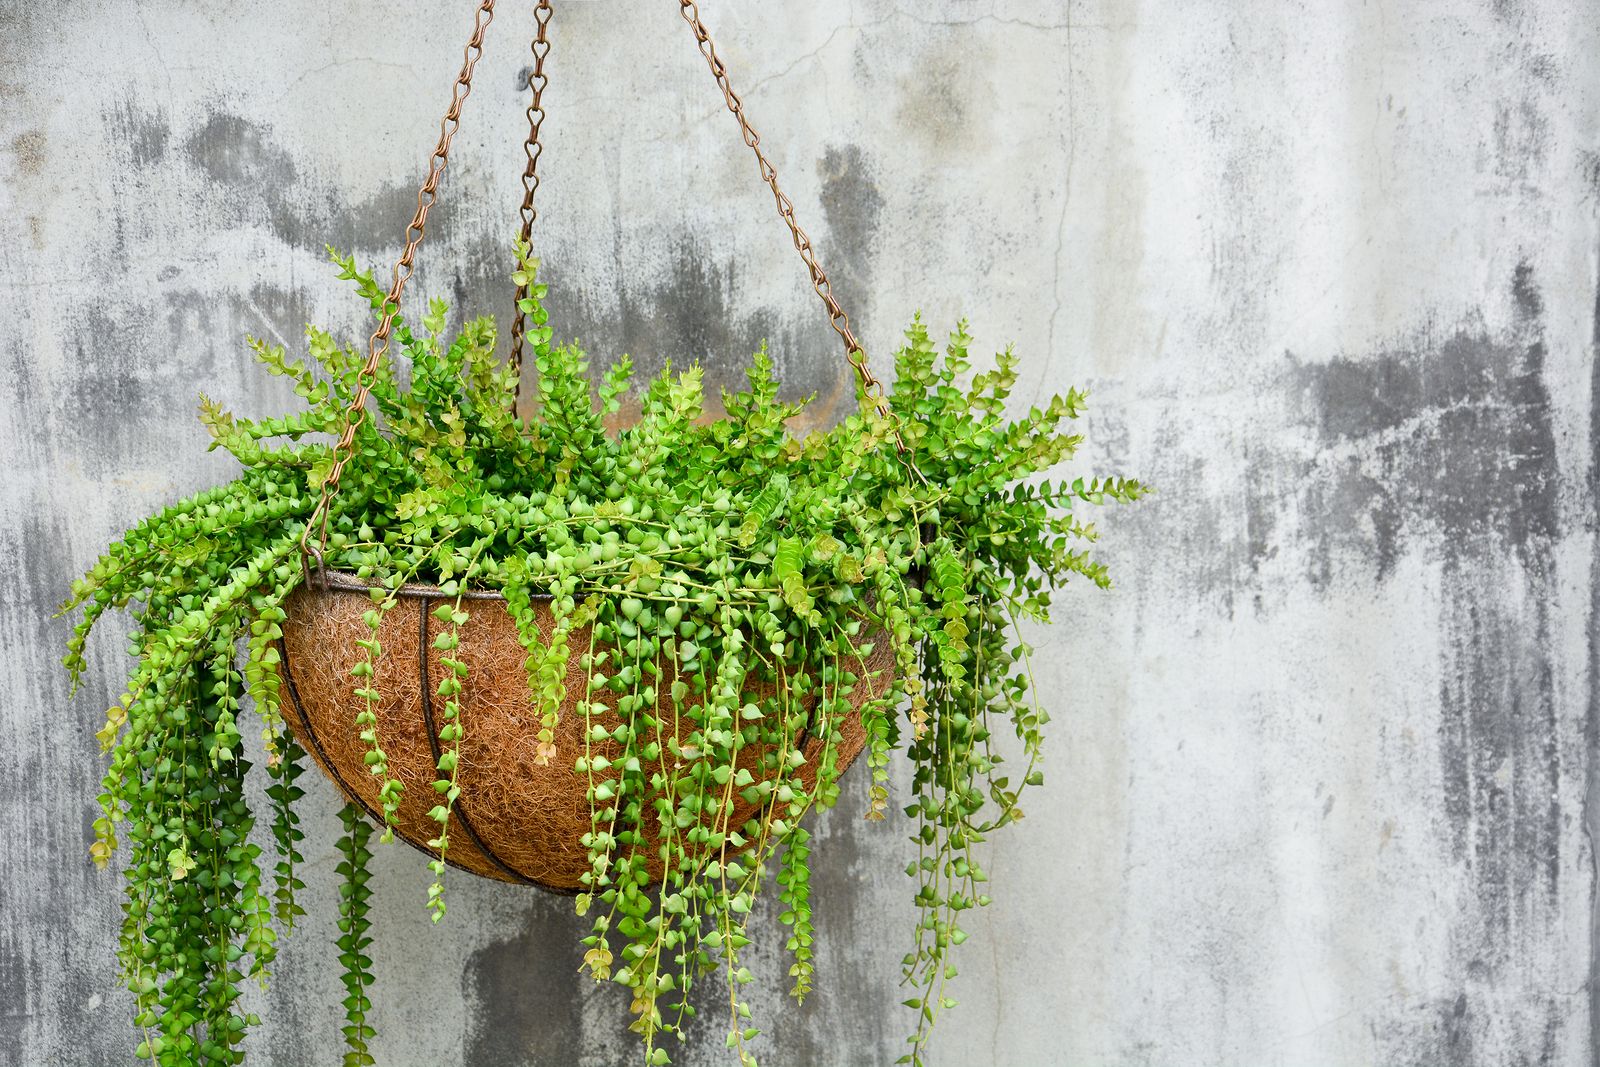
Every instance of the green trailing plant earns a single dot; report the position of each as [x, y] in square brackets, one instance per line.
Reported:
[731, 578]
[354, 924]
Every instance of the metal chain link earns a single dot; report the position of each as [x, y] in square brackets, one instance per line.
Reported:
[378, 343]
[530, 177]
[854, 354]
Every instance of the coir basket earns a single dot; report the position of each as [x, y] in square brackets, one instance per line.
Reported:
[515, 820]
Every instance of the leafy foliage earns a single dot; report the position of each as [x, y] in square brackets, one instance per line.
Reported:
[711, 560]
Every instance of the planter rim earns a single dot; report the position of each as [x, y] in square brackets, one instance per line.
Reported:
[344, 581]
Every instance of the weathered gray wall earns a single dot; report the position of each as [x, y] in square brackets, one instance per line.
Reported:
[1323, 760]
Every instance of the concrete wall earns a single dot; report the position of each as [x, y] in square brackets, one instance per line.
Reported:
[1323, 759]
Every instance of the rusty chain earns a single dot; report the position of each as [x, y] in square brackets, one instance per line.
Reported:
[378, 343]
[854, 354]
[530, 176]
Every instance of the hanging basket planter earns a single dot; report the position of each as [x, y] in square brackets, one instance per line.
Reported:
[517, 819]
[646, 656]
[532, 814]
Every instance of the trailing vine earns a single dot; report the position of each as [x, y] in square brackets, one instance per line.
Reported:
[355, 925]
[719, 586]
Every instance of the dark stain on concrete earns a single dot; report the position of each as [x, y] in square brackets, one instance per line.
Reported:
[1521, 138]
[268, 311]
[266, 187]
[684, 314]
[1456, 1043]
[127, 390]
[689, 315]
[263, 182]
[118, 388]
[1439, 450]
[21, 976]
[376, 223]
[852, 207]
[1444, 447]
[1451, 450]
[1589, 167]
[1450, 442]
[144, 133]
[54, 762]
[1440, 443]
[1260, 532]
[854, 1005]
[1499, 729]
[1530, 305]
[1497, 740]
[40, 571]
[849, 1017]
[525, 1011]
[235, 151]
[689, 312]
[1591, 733]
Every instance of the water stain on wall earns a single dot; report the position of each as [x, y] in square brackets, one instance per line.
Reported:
[690, 311]
[143, 132]
[1591, 731]
[1441, 447]
[947, 93]
[852, 206]
[1450, 451]
[521, 992]
[686, 312]
[265, 186]
[240, 156]
[1446, 443]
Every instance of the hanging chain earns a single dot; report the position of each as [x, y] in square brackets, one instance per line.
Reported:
[378, 343]
[530, 176]
[854, 353]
